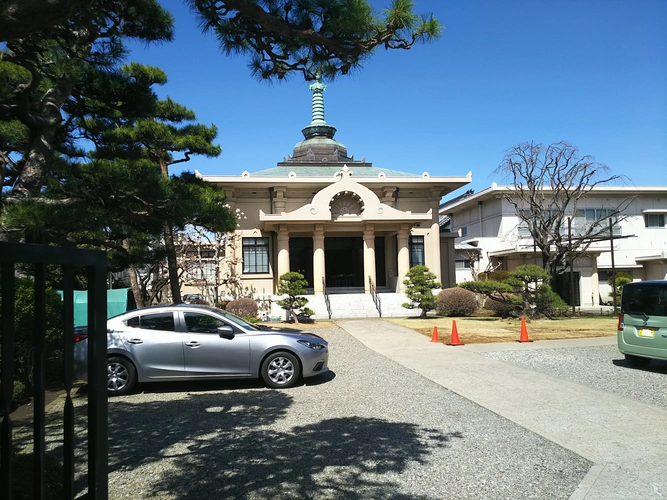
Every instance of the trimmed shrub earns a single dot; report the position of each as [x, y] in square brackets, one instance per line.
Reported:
[294, 285]
[495, 276]
[510, 308]
[222, 304]
[456, 302]
[245, 307]
[549, 303]
[419, 285]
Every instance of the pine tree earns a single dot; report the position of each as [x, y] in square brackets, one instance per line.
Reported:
[419, 285]
[282, 37]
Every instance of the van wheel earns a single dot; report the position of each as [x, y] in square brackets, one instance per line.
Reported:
[637, 361]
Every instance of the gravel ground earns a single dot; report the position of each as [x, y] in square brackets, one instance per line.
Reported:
[370, 429]
[602, 368]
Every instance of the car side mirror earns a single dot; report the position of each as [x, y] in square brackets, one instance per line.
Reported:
[226, 332]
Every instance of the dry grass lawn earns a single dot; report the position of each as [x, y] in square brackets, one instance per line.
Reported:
[485, 330]
[482, 330]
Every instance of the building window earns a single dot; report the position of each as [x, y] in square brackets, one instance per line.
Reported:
[605, 275]
[654, 220]
[524, 230]
[463, 231]
[201, 270]
[462, 263]
[416, 251]
[547, 216]
[255, 255]
[586, 217]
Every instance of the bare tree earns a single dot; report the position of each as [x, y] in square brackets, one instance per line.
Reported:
[200, 254]
[549, 183]
[490, 267]
[211, 261]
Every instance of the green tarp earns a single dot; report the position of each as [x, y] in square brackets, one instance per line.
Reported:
[119, 300]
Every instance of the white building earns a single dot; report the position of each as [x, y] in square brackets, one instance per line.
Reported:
[487, 223]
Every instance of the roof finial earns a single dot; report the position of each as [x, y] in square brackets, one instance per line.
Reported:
[318, 127]
[318, 89]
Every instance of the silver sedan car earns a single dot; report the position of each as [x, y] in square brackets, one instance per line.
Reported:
[186, 342]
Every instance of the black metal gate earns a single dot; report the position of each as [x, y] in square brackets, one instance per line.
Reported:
[94, 263]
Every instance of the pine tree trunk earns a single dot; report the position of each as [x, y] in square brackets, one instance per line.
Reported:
[136, 289]
[172, 265]
[134, 283]
[44, 123]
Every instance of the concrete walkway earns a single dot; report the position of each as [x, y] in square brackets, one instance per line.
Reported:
[624, 438]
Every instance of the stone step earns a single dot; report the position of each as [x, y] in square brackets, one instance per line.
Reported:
[353, 305]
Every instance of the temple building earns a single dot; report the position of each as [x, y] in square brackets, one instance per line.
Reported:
[349, 227]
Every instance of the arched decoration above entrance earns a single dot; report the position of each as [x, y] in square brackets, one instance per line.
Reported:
[344, 198]
[346, 203]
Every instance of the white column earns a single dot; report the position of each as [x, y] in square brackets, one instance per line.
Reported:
[403, 255]
[283, 252]
[369, 257]
[318, 259]
[595, 280]
[433, 248]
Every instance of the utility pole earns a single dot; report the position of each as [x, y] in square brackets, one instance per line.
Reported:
[613, 265]
[569, 245]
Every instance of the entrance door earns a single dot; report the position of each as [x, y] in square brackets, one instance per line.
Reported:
[562, 287]
[301, 258]
[380, 265]
[344, 261]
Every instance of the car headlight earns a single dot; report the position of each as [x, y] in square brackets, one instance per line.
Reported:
[312, 345]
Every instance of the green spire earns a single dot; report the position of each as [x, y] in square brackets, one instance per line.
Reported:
[318, 127]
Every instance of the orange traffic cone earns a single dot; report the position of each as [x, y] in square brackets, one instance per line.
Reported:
[455, 335]
[434, 338]
[524, 332]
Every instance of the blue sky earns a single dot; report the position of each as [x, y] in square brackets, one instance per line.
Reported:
[593, 73]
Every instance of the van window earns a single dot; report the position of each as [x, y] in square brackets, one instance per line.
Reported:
[645, 298]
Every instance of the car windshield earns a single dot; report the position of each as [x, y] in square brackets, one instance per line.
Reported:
[649, 299]
[238, 321]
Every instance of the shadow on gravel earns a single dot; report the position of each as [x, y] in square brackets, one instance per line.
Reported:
[656, 365]
[216, 447]
[212, 385]
[320, 379]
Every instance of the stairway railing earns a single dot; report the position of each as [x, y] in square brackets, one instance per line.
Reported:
[327, 302]
[376, 297]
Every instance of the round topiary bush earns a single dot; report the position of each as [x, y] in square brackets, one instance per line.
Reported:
[456, 302]
[244, 308]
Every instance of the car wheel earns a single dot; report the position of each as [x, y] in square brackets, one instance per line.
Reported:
[281, 370]
[637, 361]
[121, 376]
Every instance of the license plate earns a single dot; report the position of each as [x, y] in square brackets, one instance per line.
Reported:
[647, 332]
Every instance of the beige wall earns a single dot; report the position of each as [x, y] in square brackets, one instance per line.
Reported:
[251, 200]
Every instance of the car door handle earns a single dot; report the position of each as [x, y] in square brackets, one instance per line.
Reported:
[192, 344]
[135, 341]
